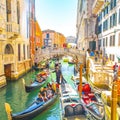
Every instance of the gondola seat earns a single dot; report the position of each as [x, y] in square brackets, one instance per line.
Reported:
[69, 111]
[78, 110]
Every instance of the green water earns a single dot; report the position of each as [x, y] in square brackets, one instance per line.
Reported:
[14, 94]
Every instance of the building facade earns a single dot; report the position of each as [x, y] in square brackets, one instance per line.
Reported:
[87, 22]
[70, 39]
[14, 42]
[53, 39]
[32, 30]
[38, 42]
[109, 30]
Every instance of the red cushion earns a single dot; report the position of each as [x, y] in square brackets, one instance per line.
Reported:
[91, 95]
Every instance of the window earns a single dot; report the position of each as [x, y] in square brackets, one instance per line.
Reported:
[105, 25]
[119, 16]
[18, 12]
[99, 28]
[103, 42]
[47, 35]
[111, 22]
[24, 51]
[114, 19]
[112, 40]
[106, 41]
[112, 4]
[8, 49]
[18, 52]
[112, 57]
[105, 12]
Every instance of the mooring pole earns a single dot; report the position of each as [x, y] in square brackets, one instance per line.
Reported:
[114, 101]
[80, 80]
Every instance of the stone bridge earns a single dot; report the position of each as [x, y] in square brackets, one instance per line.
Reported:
[75, 53]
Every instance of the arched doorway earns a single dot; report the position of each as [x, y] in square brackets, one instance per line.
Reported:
[7, 67]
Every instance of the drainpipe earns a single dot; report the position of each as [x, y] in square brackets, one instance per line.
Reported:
[114, 102]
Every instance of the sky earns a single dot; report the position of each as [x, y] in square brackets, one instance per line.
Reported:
[58, 15]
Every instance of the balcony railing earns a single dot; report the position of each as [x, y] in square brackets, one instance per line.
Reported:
[97, 6]
[12, 27]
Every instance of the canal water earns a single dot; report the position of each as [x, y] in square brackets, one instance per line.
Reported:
[14, 94]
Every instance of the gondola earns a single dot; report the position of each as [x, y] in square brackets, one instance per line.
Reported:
[36, 68]
[33, 110]
[36, 84]
[71, 106]
[92, 102]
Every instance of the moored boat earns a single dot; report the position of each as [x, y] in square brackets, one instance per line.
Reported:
[33, 110]
[92, 103]
[71, 106]
[34, 85]
[38, 82]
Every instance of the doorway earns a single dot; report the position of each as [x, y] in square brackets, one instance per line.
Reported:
[7, 70]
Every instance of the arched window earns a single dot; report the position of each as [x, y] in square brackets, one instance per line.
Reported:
[9, 49]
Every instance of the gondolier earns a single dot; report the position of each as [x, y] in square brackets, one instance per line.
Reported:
[58, 75]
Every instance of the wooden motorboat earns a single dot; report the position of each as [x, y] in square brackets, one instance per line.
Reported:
[92, 102]
[70, 103]
[33, 110]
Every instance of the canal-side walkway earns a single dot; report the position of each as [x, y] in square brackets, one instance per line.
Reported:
[101, 76]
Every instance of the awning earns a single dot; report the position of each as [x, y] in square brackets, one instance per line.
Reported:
[97, 6]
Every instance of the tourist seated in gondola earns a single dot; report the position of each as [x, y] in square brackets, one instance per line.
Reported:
[50, 91]
[39, 79]
[43, 91]
[40, 98]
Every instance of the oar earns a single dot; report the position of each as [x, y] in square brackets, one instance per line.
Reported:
[8, 111]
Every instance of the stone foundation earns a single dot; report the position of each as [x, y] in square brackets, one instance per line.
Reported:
[3, 81]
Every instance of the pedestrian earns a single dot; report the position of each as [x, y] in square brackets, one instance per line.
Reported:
[115, 69]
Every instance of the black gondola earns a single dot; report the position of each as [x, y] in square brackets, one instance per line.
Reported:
[38, 82]
[34, 85]
[33, 110]
[71, 106]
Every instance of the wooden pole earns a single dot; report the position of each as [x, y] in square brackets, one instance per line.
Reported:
[87, 68]
[76, 62]
[114, 102]
[8, 111]
[80, 80]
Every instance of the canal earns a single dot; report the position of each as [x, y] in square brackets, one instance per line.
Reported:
[14, 94]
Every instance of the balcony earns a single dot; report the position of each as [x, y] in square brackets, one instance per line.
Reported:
[97, 6]
[12, 29]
